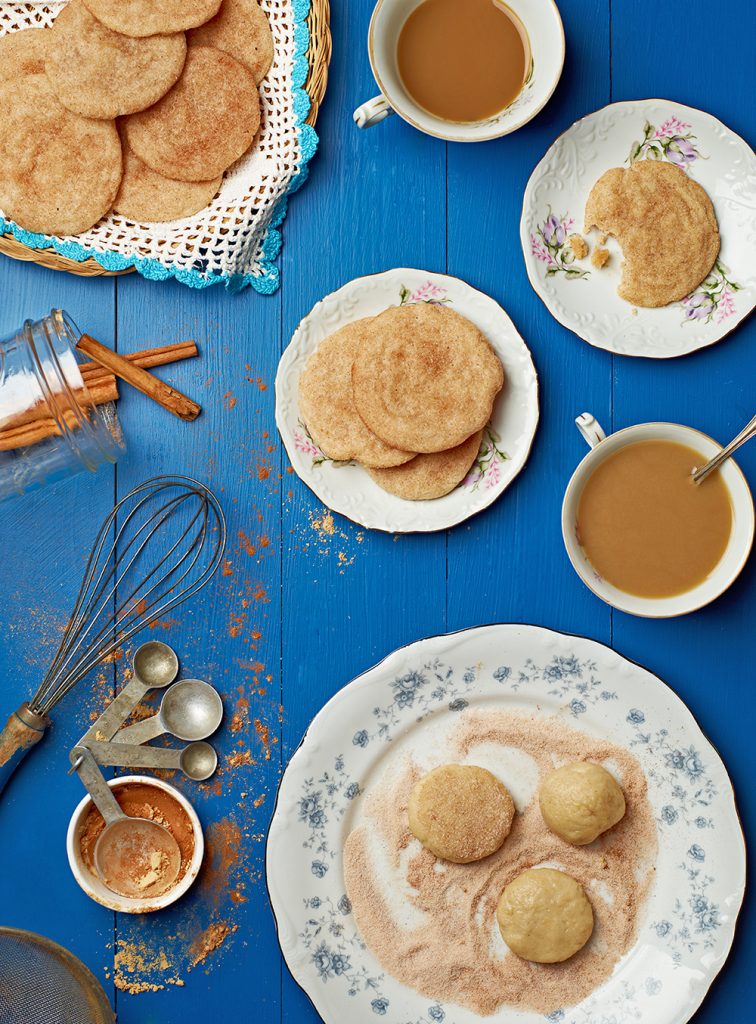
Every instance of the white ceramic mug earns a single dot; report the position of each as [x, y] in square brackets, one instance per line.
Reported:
[543, 25]
[739, 544]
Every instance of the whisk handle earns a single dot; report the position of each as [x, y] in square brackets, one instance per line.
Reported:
[23, 730]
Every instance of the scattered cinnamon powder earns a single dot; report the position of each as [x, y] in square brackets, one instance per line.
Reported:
[245, 543]
[211, 939]
[323, 523]
[138, 969]
[238, 759]
[449, 947]
[263, 733]
[229, 401]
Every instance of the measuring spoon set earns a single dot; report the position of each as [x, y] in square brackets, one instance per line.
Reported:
[191, 710]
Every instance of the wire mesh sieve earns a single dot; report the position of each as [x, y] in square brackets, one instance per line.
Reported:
[42, 983]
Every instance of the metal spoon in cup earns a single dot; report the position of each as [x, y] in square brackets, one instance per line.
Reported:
[134, 857]
[155, 667]
[748, 431]
[191, 710]
[197, 761]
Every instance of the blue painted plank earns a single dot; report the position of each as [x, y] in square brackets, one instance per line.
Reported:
[705, 656]
[508, 564]
[376, 199]
[46, 537]
[229, 635]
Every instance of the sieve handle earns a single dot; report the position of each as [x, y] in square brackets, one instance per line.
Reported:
[23, 730]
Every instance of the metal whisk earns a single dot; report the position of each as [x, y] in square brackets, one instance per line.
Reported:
[159, 546]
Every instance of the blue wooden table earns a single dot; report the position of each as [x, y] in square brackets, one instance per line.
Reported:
[298, 611]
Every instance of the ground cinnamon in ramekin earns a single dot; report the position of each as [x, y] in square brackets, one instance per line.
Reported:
[432, 924]
[142, 800]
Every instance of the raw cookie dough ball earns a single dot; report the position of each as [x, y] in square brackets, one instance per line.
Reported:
[544, 916]
[581, 800]
[460, 812]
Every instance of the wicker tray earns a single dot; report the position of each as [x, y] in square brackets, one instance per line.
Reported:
[319, 57]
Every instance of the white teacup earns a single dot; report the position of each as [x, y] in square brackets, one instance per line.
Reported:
[543, 25]
[738, 547]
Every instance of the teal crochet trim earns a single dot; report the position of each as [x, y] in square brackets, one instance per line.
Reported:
[269, 280]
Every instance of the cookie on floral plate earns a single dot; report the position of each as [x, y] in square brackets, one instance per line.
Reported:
[506, 440]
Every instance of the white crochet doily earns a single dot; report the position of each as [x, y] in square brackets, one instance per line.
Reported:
[235, 239]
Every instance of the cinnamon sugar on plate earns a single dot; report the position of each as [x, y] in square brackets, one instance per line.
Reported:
[432, 925]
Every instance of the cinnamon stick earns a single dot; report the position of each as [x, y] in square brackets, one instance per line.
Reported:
[172, 400]
[23, 435]
[146, 358]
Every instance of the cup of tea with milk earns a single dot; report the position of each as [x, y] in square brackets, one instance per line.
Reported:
[463, 70]
[642, 532]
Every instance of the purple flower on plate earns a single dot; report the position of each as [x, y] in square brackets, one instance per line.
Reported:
[554, 232]
[681, 152]
[699, 306]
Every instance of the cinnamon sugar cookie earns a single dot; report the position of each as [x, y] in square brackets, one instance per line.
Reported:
[425, 378]
[240, 28]
[59, 173]
[460, 812]
[148, 197]
[666, 225]
[430, 476]
[23, 53]
[204, 124]
[327, 407]
[152, 17]
[103, 74]
[544, 916]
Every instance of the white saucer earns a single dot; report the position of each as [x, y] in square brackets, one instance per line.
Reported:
[347, 488]
[585, 299]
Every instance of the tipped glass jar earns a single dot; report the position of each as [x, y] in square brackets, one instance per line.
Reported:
[54, 423]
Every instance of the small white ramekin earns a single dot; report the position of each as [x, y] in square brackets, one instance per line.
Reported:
[94, 887]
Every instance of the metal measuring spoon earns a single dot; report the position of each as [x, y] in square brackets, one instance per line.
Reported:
[134, 857]
[197, 761]
[190, 710]
[155, 667]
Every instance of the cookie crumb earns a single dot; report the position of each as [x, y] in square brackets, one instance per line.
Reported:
[600, 258]
[603, 239]
[634, 311]
[579, 246]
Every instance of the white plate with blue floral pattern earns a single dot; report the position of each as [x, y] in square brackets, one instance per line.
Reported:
[346, 487]
[585, 299]
[688, 926]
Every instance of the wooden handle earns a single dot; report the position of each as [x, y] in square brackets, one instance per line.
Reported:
[140, 379]
[22, 731]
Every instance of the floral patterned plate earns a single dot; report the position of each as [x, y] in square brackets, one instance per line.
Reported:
[585, 299]
[406, 701]
[346, 487]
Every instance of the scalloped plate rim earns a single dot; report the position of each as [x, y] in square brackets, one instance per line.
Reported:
[531, 269]
[369, 520]
[277, 830]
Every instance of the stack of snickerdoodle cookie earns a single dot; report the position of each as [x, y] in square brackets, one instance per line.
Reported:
[181, 76]
[406, 394]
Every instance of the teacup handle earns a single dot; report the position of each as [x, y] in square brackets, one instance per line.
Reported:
[372, 112]
[590, 428]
